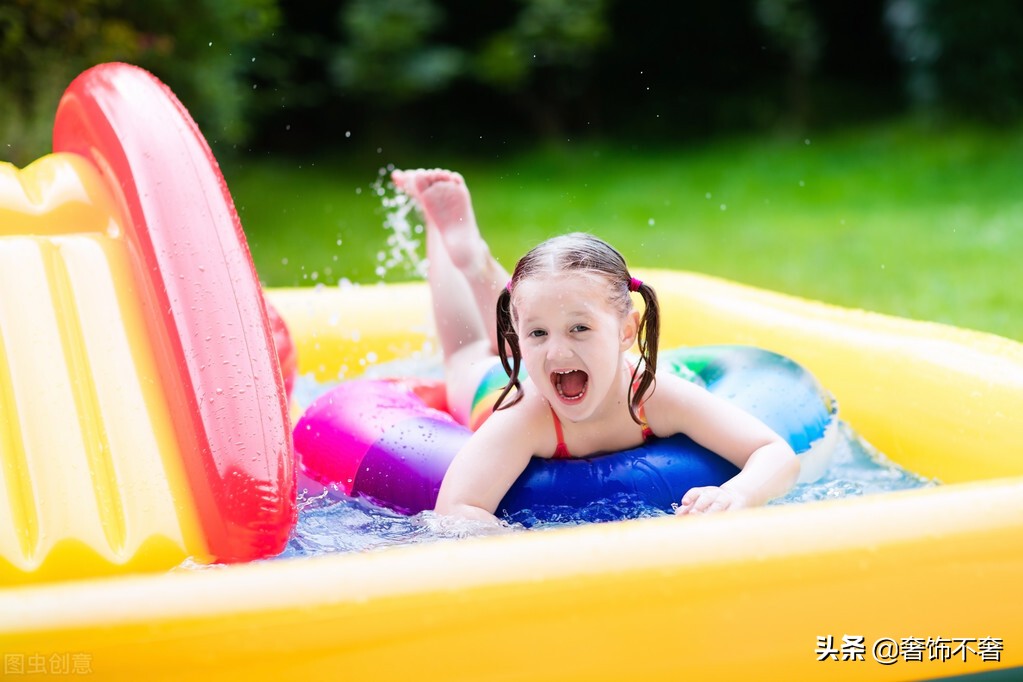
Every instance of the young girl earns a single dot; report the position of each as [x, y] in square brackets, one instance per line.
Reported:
[566, 317]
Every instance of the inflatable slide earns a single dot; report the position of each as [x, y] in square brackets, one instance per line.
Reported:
[142, 419]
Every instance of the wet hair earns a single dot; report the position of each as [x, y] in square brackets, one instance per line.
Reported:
[585, 253]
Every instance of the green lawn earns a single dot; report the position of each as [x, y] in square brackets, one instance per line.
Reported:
[895, 218]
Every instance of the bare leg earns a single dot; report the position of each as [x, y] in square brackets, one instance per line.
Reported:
[464, 280]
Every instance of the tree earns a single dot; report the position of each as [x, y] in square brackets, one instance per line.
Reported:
[794, 29]
[397, 52]
[205, 50]
[963, 57]
[545, 57]
[388, 54]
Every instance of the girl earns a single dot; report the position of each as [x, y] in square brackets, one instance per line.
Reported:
[566, 317]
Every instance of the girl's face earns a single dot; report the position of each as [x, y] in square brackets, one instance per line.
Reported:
[573, 343]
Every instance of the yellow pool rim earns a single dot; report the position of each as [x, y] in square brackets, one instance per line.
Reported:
[745, 595]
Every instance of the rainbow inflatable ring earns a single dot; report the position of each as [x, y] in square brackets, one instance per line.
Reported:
[143, 420]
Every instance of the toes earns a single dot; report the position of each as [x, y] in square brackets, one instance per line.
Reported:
[428, 177]
[416, 182]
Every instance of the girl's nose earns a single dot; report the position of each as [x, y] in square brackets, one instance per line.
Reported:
[558, 349]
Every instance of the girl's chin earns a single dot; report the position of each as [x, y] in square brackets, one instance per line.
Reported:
[568, 405]
[571, 409]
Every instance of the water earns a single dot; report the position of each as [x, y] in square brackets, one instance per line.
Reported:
[404, 235]
[330, 521]
[856, 469]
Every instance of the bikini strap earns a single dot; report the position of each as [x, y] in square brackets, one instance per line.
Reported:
[561, 451]
[647, 431]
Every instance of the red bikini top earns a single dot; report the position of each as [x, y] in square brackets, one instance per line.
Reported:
[561, 451]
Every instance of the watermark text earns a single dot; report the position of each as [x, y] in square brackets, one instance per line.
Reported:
[889, 650]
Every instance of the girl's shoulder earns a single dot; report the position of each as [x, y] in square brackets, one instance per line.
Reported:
[525, 425]
[670, 397]
[524, 412]
[670, 384]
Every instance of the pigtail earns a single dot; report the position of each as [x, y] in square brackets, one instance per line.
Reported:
[508, 340]
[647, 337]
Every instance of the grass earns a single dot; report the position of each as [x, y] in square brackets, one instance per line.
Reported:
[897, 218]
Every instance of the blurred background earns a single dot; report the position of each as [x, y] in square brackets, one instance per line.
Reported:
[861, 152]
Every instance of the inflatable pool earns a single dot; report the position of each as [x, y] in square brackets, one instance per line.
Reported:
[381, 440]
[919, 584]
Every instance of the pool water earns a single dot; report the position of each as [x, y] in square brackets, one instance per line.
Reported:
[329, 521]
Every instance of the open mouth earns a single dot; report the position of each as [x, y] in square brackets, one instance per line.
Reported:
[571, 384]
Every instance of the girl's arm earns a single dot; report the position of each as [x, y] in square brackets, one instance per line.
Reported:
[769, 467]
[487, 465]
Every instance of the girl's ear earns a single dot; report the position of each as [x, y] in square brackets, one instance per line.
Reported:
[630, 328]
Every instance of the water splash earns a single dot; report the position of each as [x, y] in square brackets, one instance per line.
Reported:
[330, 522]
[405, 234]
[857, 468]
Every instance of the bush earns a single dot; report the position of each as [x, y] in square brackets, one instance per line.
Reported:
[205, 50]
[962, 57]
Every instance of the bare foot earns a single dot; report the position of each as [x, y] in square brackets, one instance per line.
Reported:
[444, 201]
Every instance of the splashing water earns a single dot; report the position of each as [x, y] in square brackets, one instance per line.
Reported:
[402, 252]
[856, 469]
[329, 521]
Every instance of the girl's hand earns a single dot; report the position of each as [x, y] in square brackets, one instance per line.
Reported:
[711, 499]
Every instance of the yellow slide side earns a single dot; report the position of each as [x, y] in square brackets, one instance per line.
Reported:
[90, 474]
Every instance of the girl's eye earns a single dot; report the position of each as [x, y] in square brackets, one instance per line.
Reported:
[537, 333]
[580, 328]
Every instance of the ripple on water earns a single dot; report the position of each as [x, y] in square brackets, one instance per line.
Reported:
[333, 522]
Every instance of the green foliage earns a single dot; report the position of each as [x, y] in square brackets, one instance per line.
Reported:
[963, 57]
[388, 54]
[214, 53]
[43, 45]
[791, 24]
[561, 34]
[203, 49]
[393, 52]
